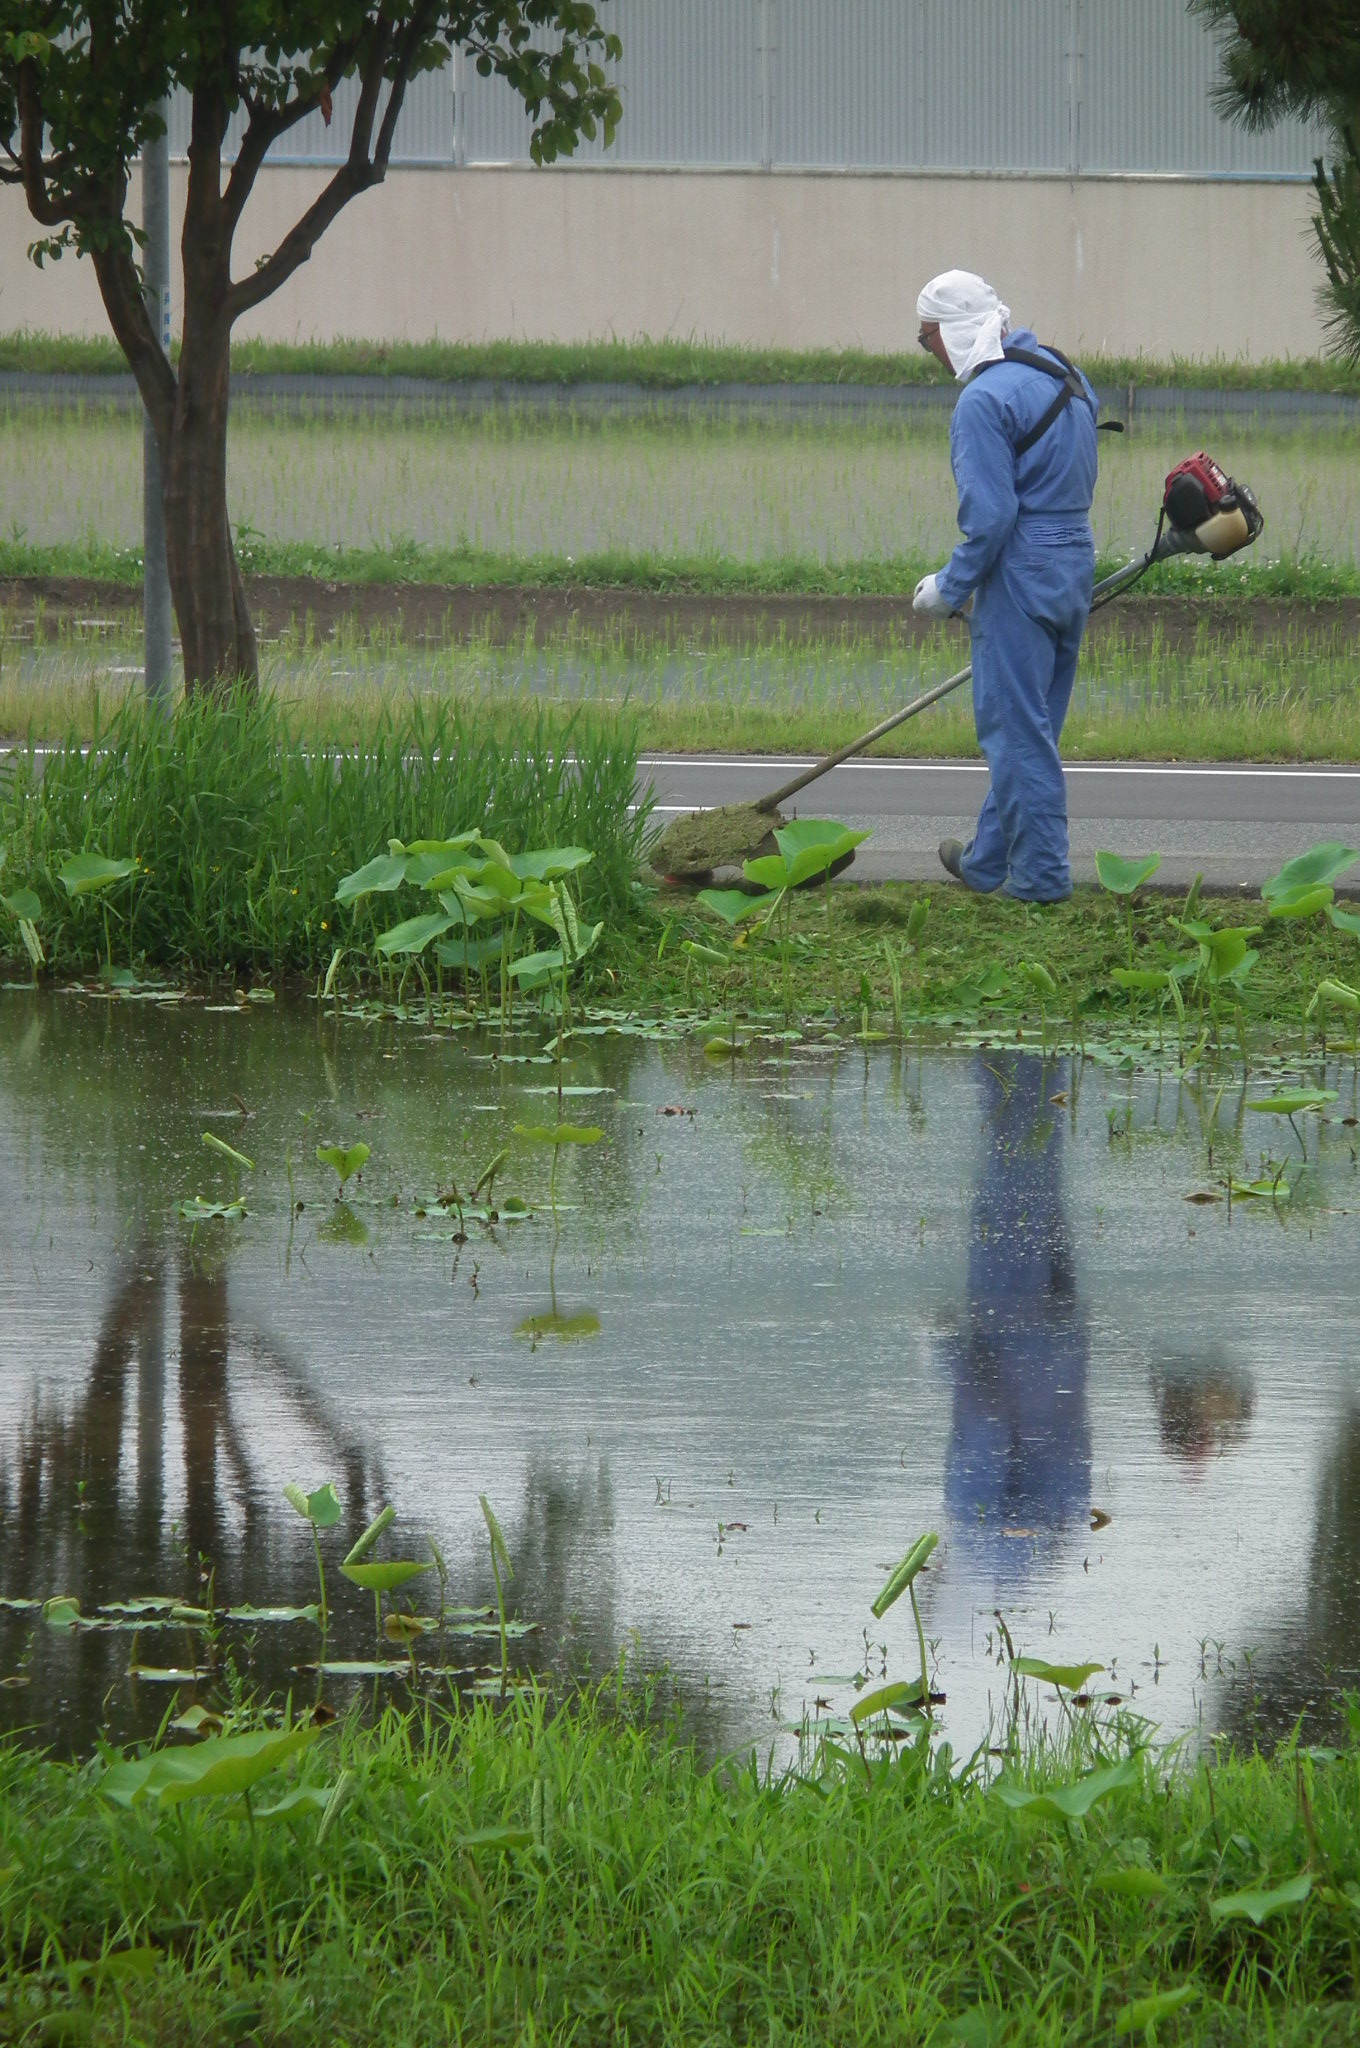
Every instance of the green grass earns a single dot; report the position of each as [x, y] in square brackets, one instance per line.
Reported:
[644, 1896]
[968, 972]
[658, 365]
[1302, 581]
[241, 833]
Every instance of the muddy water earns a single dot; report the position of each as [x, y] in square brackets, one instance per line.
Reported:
[830, 1302]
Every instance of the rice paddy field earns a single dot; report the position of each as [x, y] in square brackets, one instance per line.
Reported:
[873, 488]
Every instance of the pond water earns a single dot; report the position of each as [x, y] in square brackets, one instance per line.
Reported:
[795, 1310]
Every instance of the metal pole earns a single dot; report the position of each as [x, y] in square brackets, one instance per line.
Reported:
[156, 272]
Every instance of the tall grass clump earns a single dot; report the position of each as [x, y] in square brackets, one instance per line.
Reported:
[240, 826]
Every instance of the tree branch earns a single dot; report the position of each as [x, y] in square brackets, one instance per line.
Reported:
[267, 124]
[121, 292]
[364, 167]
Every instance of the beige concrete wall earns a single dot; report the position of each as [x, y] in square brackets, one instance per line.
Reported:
[1161, 267]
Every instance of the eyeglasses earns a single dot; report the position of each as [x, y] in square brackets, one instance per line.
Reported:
[926, 339]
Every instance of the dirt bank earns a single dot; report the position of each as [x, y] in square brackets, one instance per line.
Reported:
[432, 612]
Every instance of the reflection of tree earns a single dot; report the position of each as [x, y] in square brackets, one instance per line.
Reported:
[1020, 1446]
[85, 1495]
[1315, 1657]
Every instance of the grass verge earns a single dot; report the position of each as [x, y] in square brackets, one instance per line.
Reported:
[240, 830]
[520, 1875]
[658, 365]
[240, 835]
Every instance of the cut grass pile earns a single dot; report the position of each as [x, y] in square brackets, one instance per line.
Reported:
[517, 1876]
[657, 365]
[240, 831]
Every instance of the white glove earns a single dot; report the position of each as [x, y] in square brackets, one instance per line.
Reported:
[930, 601]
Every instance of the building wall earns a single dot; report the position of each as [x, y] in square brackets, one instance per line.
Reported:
[1158, 266]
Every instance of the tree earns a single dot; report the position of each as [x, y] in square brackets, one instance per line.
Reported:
[1302, 58]
[81, 88]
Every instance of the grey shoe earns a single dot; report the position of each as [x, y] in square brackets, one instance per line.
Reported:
[951, 858]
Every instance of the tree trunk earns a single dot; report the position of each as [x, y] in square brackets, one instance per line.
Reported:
[205, 579]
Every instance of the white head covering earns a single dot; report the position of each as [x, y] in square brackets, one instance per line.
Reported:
[972, 319]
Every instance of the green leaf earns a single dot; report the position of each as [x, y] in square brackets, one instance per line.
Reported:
[811, 845]
[734, 906]
[1291, 1100]
[381, 1521]
[904, 1574]
[1345, 920]
[24, 903]
[1132, 1882]
[1158, 2005]
[559, 1134]
[346, 1159]
[551, 864]
[228, 1151]
[886, 1699]
[1307, 901]
[497, 1838]
[707, 956]
[1038, 976]
[195, 1210]
[1142, 979]
[568, 1329]
[470, 954]
[1068, 1677]
[223, 1767]
[321, 1508]
[1121, 875]
[1320, 864]
[413, 934]
[385, 1575]
[1334, 995]
[376, 877]
[1259, 1905]
[1074, 1801]
[534, 967]
[89, 871]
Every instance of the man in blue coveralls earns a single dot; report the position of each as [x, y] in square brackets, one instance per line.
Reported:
[1023, 446]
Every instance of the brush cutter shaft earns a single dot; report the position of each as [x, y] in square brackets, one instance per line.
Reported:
[1108, 587]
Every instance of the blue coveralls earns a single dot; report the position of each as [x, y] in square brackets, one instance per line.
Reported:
[1027, 559]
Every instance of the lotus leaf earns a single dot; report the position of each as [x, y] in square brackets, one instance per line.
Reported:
[1320, 864]
[86, 872]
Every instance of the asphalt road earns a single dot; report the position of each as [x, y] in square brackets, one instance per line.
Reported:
[1235, 824]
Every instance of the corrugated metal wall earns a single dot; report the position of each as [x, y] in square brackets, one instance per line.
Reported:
[909, 85]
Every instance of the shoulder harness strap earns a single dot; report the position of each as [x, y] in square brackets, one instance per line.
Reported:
[1069, 377]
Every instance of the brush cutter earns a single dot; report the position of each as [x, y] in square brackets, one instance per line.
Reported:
[1204, 512]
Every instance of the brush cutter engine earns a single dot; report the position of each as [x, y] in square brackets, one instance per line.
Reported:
[1208, 511]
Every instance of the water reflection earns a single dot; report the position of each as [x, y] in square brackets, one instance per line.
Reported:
[1019, 1459]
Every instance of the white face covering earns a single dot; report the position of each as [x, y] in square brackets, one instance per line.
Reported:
[971, 318]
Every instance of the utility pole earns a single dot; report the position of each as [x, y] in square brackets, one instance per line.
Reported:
[156, 277]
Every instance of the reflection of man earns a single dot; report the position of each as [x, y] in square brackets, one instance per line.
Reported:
[1019, 1452]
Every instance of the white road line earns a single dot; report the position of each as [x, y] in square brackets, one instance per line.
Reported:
[1171, 769]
